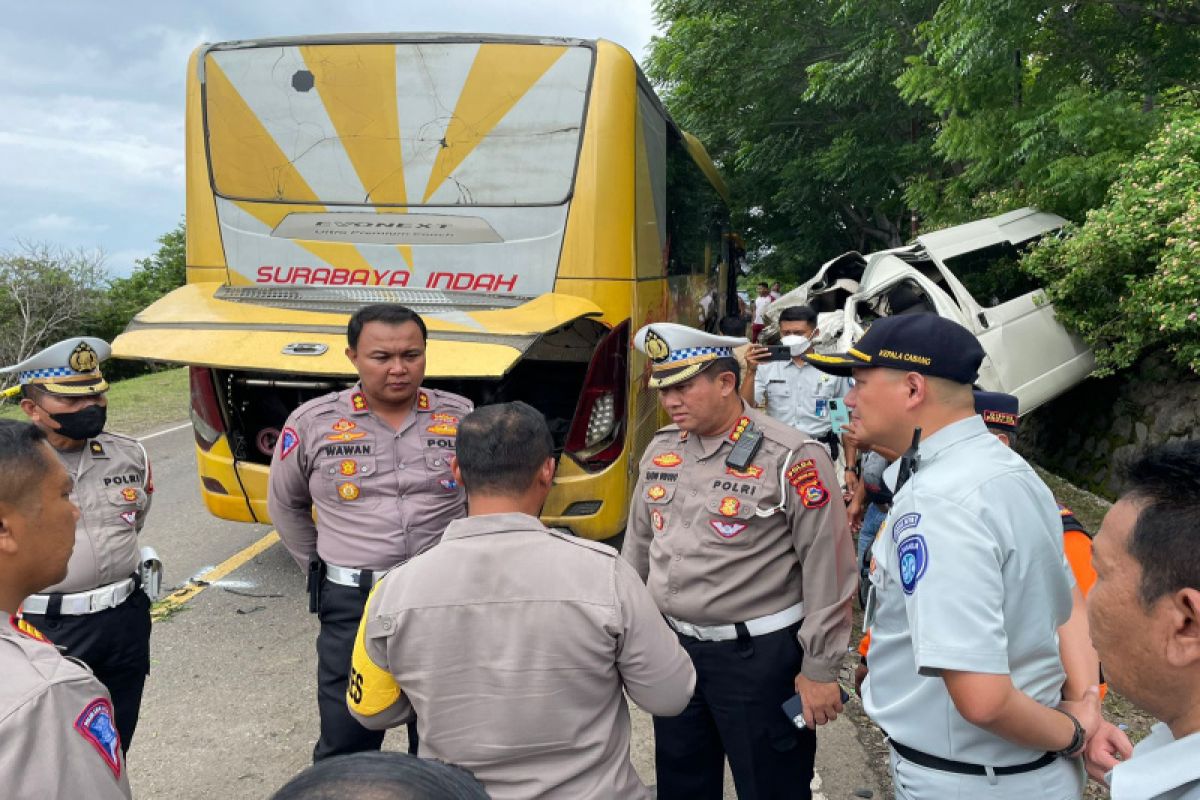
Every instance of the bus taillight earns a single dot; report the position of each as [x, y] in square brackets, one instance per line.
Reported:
[597, 430]
[206, 411]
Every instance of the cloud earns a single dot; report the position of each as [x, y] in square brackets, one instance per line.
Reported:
[56, 223]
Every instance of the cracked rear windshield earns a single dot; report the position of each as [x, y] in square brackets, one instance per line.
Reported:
[436, 124]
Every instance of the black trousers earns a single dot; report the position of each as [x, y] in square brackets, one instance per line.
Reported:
[115, 644]
[735, 713]
[341, 610]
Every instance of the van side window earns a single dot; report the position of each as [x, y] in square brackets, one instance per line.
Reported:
[991, 275]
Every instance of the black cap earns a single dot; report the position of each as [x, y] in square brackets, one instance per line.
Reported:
[924, 343]
[999, 410]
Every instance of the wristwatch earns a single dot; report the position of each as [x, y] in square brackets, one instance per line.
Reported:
[1077, 740]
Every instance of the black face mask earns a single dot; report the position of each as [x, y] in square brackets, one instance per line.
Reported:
[83, 424]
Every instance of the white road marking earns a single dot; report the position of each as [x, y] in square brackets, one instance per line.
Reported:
[168, 430]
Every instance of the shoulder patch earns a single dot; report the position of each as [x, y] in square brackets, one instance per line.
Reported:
[904, 523]
[95, 723]
[912, 555]
[288, 441]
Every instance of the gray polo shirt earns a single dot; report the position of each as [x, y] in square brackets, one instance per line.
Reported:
[969, 575]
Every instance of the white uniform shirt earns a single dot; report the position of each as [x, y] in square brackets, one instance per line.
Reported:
[798, 395]
[1162, 768]
[969, 575]
[760, 305]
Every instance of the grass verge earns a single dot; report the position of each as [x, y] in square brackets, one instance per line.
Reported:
[138, 405]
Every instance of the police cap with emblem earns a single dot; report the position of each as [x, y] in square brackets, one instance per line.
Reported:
[924, 343]
[999, 410]
[678, 353]
[71, 367]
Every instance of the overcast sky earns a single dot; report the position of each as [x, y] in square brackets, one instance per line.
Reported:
[91, 96]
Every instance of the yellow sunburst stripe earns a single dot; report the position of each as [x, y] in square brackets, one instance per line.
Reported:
[500, 76]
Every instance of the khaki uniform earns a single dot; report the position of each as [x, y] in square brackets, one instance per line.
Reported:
[381, 496]
[710, 559]
[56, 723]
[513, 644]
[113, 489]
[742, 550]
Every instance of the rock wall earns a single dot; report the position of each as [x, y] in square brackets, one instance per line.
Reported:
[1085, 434]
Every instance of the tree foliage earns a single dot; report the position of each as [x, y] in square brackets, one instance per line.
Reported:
[853, 124]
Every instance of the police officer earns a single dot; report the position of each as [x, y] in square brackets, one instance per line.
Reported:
[793, 392]
[56, 719]
[374, 460]
[736, 527]
[971, 557]
[98, 613]
[515, 643]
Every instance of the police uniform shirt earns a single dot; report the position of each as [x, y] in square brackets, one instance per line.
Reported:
[513, 643]
[798, 395]
[113, 489]
[1162, 768]
[381, 495]
[719, 546]
[56, 723]
[969, 575]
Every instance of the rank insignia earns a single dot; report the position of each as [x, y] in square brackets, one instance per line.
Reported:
[656, 519]
[727, 530]
[739, 428]
[343, 425]
[667, 460]
[95, 724]
[752, 471]
[348, 491]
[729, 507]
[423, 401]
[130, 517]
[358, 401]
[656, 492]
[129, 495]
[443, 429]
[348, 467]
[814, 495]
[449, 484]
[96, 448]
[25, 629]
[287, 443]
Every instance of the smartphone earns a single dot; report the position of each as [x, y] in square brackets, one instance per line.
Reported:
[778, 352]
[839, 415]
[794, 708]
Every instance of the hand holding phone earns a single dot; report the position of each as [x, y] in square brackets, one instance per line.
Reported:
[793, 707]
[839, 415]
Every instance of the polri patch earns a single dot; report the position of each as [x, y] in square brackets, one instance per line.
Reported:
[348, 467]
[667, 460]
[656, 492]
[729, 507]
[753, 471]
[727, 530]
[904, 523]
[129, 495]
[288, 441]
[913, 557]
[95, 723]
[813, 495]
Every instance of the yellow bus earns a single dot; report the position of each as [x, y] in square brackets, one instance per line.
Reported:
[530, 197]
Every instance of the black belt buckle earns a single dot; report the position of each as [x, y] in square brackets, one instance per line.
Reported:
[963, 768]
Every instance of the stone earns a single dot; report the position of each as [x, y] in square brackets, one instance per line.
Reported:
[1140, 432]
[1122, 427]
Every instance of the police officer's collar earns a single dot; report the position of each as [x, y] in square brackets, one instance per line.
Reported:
[944, 439]
[492, 523]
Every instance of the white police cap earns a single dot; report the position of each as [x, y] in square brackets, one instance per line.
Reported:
[71, 367]
[678, 353]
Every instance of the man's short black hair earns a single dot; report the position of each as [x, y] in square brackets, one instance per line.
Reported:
[764, 285]
[726, 364]
[23, 460]
[799, 314]
[501, 447]
[732, 325]
[387, 313]
[1165, 484]
[382, 776]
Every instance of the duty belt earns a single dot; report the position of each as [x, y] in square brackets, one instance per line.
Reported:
[78, 603]
[759, 626]
[345, 576]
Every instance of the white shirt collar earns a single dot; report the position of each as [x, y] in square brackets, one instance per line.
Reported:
[1160, 764]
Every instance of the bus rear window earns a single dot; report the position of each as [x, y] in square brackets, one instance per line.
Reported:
[406, 124]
